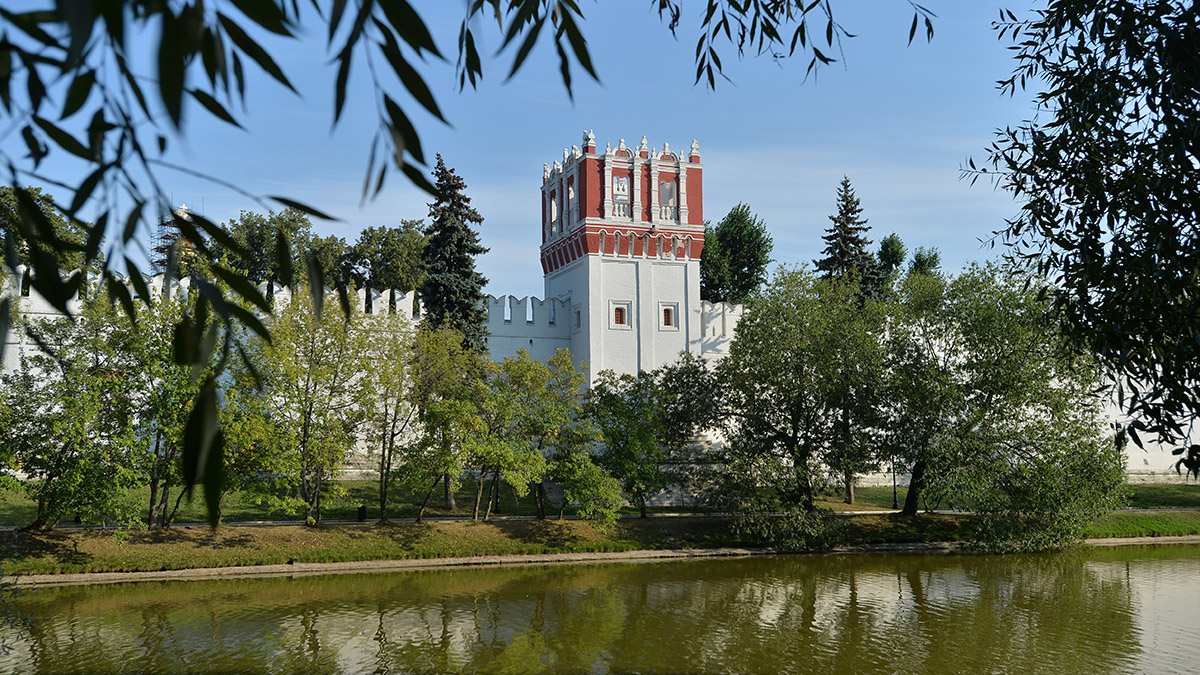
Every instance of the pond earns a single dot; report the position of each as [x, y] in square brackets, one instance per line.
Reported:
[1108, 610]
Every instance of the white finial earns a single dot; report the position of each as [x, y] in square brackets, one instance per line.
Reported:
[557, 165]
[591, 136]
[643, 145]
[575, 151]
[545, 170]
[608, 148]
[566, 154]
[621, 146]
[666, 147]
[654, 152]
[695, 147]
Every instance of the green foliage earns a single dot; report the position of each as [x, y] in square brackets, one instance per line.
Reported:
[735, 257]
[990, 407]
[63, 241]
[925, 261]
[391, 418]
[391, 258]
[313, 398]
[846, 255]
[801, 349]
[1106, 179]
[70, 418]
[254, 236]
[452, 292]
[795, 530]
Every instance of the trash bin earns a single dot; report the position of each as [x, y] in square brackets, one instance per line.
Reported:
[362, 513]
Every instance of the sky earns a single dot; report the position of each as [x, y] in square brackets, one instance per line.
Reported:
[899, 120]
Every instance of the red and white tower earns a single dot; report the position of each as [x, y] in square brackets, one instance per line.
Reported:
[622, 232]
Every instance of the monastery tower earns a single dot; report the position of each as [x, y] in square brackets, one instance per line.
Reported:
[622, 232]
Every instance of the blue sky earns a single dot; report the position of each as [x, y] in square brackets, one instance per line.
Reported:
[898, 120]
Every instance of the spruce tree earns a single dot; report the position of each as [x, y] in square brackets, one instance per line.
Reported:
[846, 252]
[452, 292]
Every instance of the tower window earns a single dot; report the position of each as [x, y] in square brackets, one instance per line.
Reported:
[620, 315]
[667, 199]
[669, 311]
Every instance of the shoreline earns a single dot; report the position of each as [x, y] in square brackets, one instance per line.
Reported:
[416, 564]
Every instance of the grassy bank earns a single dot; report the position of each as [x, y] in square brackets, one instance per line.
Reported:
[99, 551]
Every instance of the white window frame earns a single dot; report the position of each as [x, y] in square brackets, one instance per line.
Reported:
[612, 314]
[674, 307]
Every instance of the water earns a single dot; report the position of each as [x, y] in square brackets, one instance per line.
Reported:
[1113, 610]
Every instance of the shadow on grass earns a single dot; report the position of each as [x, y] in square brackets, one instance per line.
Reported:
[60, 547]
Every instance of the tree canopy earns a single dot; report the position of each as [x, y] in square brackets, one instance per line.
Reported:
[736, 253]
[847, 256]
[452, 292]
[1107, 179]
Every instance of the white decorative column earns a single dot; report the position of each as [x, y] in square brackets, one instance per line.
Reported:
[608, 182]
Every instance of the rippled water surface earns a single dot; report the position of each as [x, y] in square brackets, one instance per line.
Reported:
[1118, 610]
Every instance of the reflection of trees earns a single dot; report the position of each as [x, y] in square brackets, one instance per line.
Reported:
[782, 614]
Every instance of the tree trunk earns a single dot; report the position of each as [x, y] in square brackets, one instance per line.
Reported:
[170, 519]
[448, 494]
[384, 479]
[150, 517]
[849, 487]
[425, 502]
[392, 301]
[915, 485]
[493, 497]
[540, 500]
[478, 494]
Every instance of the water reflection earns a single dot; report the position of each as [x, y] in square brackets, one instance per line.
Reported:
[1053, 613]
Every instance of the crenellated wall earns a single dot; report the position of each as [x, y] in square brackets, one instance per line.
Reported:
[538, 326]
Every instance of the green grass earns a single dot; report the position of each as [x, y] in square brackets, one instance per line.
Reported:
[67, 551]
[1164, 495]
[1144, 524]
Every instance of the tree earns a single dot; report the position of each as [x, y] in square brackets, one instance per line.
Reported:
[68, 419]
[391, 409]
[1108, 190]
[313, 386]
[391, 258]
[452, 292]
[333, 258]
[627, 411]
[891, 254]
[993, 408]
[846, 253]
[80, 51]
[787, 379]
[63, 241]
[252, 245]
[444, 374]
[736, 266]
[925, 260]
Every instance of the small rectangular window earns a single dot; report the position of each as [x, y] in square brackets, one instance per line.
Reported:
[668, 319]
[619, 316]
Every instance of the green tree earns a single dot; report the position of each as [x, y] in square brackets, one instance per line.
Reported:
[627, 411]
[333, 258]
[392, 411]
[846, 254]
[445, 375]
[452, 292]
[925, 260]
[313, 383]
[801, 351]
[1106, 177]
[996, 411]
[68, 418]
[63, 242]
[390, 258]
[735, 257]
[892, 252]
[254, 239]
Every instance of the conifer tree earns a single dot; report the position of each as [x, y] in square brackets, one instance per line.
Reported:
[452, 292]
[846, 253]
